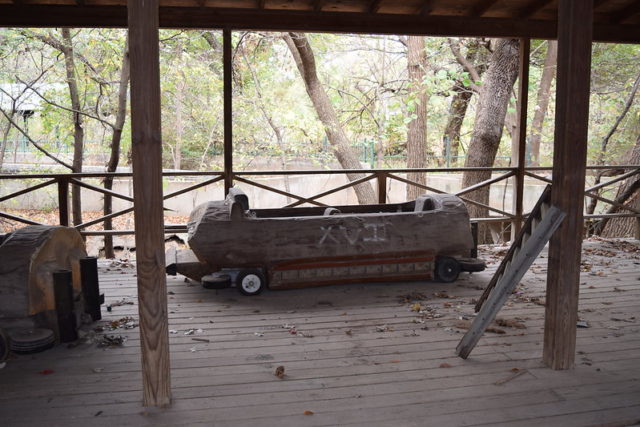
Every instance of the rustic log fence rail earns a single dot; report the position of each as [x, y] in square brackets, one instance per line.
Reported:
[381, 178]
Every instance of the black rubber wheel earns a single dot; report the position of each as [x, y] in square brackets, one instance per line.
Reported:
[220, 281]
[447, 269]
[251, 282]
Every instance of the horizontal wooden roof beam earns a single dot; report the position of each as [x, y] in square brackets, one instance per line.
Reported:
[374, 6]
[482, 7]
[532, 8]
[29, 15]
[629, 11]
[426, 8]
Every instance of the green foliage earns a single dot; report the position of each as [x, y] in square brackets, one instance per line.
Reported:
[274, 120]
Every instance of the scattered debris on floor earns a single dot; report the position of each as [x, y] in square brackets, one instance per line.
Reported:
[510, 323]
[112, 341]
[308, 412]
[412, 298]
[46, 372]
[121, 302]
[279, 372]
[582, 324]
[515, 374]
[123, 323]
[445, 365]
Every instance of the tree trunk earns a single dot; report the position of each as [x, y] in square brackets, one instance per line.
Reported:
[78, 130]
[544, 94]
[490, 118]
[605, 141]
[269, 118]
[457, 113]
[177, 152]
[417, 132]
[116, 137]
[5, 139]
[476, 57]
[624, 227]
[305, 61]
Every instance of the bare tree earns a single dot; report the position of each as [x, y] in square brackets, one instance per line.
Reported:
[475, 63]
[78, 129]
[116, 137]
[497, 86]
[542, 105]
[628, 194]
[417, 131]
[604, 145]
[305, 61]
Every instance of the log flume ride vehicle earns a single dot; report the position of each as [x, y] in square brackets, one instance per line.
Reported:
[233, 245]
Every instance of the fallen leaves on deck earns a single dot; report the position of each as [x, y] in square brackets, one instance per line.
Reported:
[279, 372]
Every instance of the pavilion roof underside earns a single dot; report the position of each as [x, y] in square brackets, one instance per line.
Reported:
[614, 20]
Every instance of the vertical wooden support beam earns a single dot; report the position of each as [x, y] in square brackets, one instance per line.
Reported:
[575, 24]
[63, 201]
[523, 103]
[147, 194]
[227, 62]
[381, 177]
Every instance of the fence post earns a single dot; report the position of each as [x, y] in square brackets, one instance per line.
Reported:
[382, 187]
[63, 201]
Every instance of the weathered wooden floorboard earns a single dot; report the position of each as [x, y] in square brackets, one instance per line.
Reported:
[367, 377]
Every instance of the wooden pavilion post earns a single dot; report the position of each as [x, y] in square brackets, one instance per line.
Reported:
[147, 190]
[228, 108]
[523, 103]
[575, 18]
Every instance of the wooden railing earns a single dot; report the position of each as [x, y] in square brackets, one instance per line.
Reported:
[381, 177]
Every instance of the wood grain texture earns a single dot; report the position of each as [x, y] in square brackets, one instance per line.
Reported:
[569, 161]
[148, 213]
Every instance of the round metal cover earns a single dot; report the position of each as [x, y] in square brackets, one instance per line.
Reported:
[31, 340]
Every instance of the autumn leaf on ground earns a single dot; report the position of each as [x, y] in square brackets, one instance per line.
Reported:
[279, 372]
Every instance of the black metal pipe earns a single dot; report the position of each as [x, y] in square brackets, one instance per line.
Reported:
[63, 295]
[91, 287]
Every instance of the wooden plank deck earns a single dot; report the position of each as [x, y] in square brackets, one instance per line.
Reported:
[359, 356]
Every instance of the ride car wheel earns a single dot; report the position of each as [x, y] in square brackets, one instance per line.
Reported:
[251, 282]
[447, 269]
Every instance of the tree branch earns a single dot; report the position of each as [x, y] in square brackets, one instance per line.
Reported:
[468, 66]
[35, 144]
[71, 110]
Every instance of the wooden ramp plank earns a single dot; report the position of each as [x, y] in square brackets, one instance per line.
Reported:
[511, 277]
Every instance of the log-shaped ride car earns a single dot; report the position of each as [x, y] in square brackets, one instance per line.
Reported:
[313, 246]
